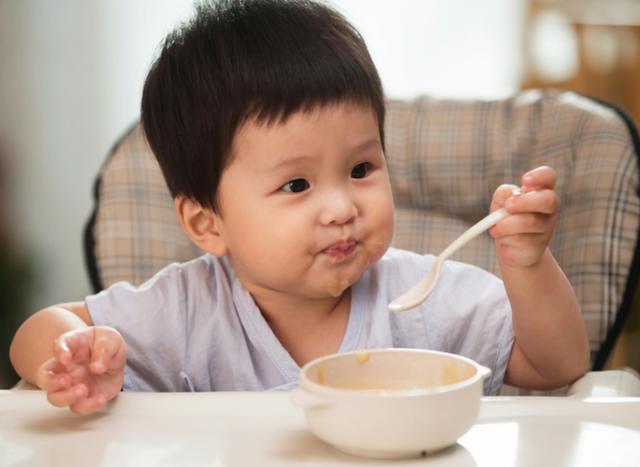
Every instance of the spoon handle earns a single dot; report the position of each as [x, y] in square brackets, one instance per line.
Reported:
[419, 292]
[473, 231]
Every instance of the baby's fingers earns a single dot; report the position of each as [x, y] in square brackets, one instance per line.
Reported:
[540, 178]
[541, 202]
[52, 376]
[502, 194]
[523, 224]
[88, 404]
[108, 351]
[67, 397]
[73, 346]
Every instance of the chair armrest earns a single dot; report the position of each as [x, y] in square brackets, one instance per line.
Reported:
[610, 383]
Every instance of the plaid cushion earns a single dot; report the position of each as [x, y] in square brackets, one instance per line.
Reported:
[446, 157]
[135, 230]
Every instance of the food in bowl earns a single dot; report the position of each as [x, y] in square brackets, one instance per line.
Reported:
[390, 403]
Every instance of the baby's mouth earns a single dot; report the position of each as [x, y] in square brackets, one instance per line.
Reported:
[341, 249]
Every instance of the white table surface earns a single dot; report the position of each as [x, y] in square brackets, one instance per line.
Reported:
[265, 429]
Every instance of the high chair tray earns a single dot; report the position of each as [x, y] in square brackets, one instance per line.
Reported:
[265, 429]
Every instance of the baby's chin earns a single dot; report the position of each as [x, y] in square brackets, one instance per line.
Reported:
[342, 281]
[337, 287]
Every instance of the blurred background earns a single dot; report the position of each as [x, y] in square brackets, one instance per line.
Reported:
[71, 74]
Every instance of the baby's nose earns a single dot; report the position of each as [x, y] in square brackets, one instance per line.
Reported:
[338, 208]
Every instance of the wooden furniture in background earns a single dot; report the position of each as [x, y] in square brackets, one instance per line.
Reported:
[605, 38]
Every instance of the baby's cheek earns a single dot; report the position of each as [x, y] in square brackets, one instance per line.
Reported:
[380, 242]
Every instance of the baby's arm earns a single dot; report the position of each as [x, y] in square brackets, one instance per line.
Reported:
[551, 348]
[79, 365]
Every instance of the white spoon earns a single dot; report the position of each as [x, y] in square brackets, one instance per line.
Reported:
[419, 292]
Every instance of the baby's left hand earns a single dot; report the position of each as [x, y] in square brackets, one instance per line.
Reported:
[522, 237]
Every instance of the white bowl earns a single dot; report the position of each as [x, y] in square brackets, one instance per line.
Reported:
[390, 403]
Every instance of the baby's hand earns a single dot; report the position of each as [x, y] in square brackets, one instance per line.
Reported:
[86, 370]
[522, 238]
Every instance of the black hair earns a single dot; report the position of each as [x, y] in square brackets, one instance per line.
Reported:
[242, 59]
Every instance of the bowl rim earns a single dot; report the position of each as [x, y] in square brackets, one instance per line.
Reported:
[307, 384]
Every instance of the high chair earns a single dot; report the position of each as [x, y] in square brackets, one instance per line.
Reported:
[445, 158]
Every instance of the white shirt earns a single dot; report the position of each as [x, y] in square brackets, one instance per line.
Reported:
[193, 326]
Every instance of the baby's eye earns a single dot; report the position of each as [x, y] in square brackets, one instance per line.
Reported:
[295, 186]
[361, 170]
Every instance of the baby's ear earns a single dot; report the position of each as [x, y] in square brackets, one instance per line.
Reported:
[201, 225]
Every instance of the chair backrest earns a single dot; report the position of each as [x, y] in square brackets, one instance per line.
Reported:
[445, 157]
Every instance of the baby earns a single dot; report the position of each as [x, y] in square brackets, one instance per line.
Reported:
[267, 119]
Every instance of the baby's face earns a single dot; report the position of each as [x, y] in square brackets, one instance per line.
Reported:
[306, 205]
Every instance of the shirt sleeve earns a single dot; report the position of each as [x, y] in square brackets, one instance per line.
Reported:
[151, 320]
